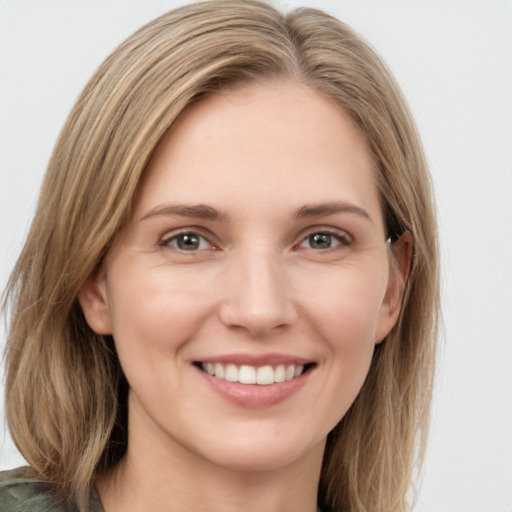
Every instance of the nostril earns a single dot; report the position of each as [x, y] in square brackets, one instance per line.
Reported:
[258, 320]
[256, 298]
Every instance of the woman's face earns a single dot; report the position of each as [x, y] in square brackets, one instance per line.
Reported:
[255, 253]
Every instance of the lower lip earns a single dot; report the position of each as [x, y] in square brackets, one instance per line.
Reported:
[255, 396]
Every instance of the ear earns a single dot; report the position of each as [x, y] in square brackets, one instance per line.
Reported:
[93, 299]
[399, 273]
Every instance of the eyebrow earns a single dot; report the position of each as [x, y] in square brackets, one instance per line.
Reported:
[322, 209]
[202, 211]
[199, 211]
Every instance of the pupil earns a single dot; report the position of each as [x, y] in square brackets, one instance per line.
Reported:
[320, 241]
[188, 242]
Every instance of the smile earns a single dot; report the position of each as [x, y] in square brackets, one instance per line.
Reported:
[260, 375]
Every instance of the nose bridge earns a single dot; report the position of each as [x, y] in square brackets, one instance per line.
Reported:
[256, 295]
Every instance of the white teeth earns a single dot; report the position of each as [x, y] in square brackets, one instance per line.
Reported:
[219, 371]
[246, 374]
[265, 375]
[231, 373]
[280, 374]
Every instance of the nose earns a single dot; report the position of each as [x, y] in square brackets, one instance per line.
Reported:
[257, 296]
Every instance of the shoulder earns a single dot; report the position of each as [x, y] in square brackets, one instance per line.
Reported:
[20, 491]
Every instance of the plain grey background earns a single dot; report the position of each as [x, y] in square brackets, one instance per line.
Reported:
[453, 59]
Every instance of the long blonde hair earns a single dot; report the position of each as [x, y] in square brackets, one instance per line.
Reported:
[66, 393]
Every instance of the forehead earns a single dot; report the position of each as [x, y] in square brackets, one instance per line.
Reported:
[261, 143]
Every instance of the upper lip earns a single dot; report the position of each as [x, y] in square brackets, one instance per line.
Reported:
[256, 359]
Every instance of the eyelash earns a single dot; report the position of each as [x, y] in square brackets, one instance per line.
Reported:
[167, 241]
[343, 240]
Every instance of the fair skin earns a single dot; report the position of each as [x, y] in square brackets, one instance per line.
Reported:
[256, 249]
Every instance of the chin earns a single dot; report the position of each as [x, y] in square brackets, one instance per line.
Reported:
[260, 453]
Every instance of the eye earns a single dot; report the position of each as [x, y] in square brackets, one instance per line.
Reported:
[189, 241]
[322, 240]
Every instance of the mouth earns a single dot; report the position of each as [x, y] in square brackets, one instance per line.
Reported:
[260, 375]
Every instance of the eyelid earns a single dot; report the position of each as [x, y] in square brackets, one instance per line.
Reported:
[344, 238]
[189, 230]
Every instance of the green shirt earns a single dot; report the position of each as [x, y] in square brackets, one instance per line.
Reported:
[20, 491]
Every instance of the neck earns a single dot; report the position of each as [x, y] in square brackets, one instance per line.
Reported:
[128, 489]
[159, 474]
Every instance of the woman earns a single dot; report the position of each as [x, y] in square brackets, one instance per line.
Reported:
[228, 295]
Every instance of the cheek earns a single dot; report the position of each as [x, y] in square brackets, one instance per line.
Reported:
[155, 313]
[346, 308]
[345, 318]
